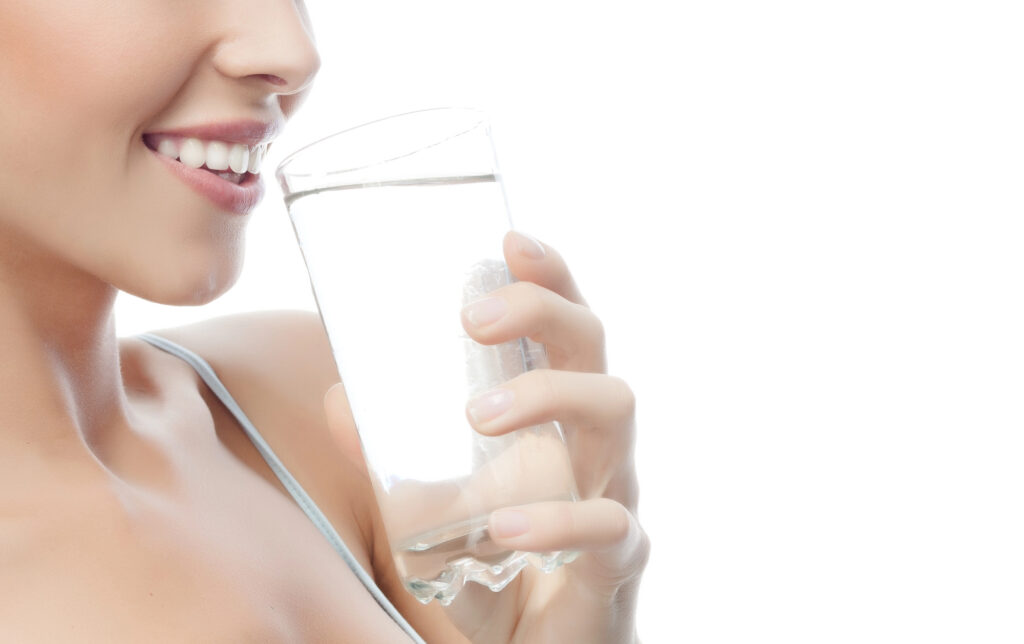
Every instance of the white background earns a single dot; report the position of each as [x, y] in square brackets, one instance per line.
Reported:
[801, 224]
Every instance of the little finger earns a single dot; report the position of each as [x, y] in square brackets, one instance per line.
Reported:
[600, 526]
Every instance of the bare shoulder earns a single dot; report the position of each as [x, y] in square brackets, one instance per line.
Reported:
[285, 348]
[278, 365]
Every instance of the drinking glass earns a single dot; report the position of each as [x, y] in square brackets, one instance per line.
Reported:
[400, 222]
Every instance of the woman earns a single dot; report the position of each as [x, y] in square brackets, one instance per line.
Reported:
[133, 507]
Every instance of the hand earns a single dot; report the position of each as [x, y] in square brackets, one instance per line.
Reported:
[594, 598]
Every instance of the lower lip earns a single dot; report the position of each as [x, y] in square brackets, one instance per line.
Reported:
[236, 198]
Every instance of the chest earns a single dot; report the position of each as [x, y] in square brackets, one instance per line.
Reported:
[236, 563]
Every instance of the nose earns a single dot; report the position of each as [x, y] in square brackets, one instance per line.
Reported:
[269, 42]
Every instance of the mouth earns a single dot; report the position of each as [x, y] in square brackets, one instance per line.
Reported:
[232, 162]
[226, 173]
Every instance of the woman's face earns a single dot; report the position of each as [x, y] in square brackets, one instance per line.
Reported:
[89, 89]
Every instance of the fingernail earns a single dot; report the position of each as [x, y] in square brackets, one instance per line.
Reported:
[486, 311]
[490, 405]
[528, 246]
[509, 523]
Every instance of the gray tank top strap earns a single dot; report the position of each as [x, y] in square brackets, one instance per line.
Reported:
[297, 492]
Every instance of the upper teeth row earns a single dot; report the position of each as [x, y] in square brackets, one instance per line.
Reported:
[216, 155]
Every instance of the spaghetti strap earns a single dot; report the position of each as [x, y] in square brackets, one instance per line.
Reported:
[297, 492]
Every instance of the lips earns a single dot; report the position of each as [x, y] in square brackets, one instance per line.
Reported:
[238, 198]
[230, 180]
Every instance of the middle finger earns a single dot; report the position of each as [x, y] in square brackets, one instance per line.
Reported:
[572, 334]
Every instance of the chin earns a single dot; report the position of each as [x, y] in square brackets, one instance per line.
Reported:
[194, 285]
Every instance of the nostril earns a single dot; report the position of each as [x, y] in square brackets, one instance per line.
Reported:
[273, 80]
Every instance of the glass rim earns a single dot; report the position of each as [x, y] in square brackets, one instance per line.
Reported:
[281, 171]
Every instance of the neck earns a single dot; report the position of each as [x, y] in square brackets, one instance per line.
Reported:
[60, 377]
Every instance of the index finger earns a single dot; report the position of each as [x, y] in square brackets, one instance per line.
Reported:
[533, 261]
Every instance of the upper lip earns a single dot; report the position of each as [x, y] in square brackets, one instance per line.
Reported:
[246, 131]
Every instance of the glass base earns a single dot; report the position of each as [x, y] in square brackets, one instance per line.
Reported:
[495, 576]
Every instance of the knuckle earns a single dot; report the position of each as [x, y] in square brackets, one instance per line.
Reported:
[532, 303]
[625, 397]
[527, 292]
[548, 393]
[643, 550]
[639, 552]
[597, 330]
[620, 522]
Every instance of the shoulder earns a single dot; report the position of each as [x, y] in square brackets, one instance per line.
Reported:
[287, 348]
[279, 367]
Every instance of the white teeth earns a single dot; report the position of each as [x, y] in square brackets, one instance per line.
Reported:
[217, 155]
[238, 158]
[168, 148]
[193, 153]
[256, 160]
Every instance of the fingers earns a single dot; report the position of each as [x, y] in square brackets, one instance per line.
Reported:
[524, 309]
[535, 397]
[532, 261]
[600, 526]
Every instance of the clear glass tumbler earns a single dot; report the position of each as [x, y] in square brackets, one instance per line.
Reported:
[400, 222]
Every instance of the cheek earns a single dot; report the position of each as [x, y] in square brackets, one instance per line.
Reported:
[79, 78]
[88, 54]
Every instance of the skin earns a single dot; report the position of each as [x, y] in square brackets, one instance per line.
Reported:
[132, 507]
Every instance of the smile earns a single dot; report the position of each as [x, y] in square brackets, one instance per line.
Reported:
[226, 174]
[229, 161]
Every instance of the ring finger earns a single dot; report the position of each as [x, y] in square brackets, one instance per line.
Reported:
[583, 399]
